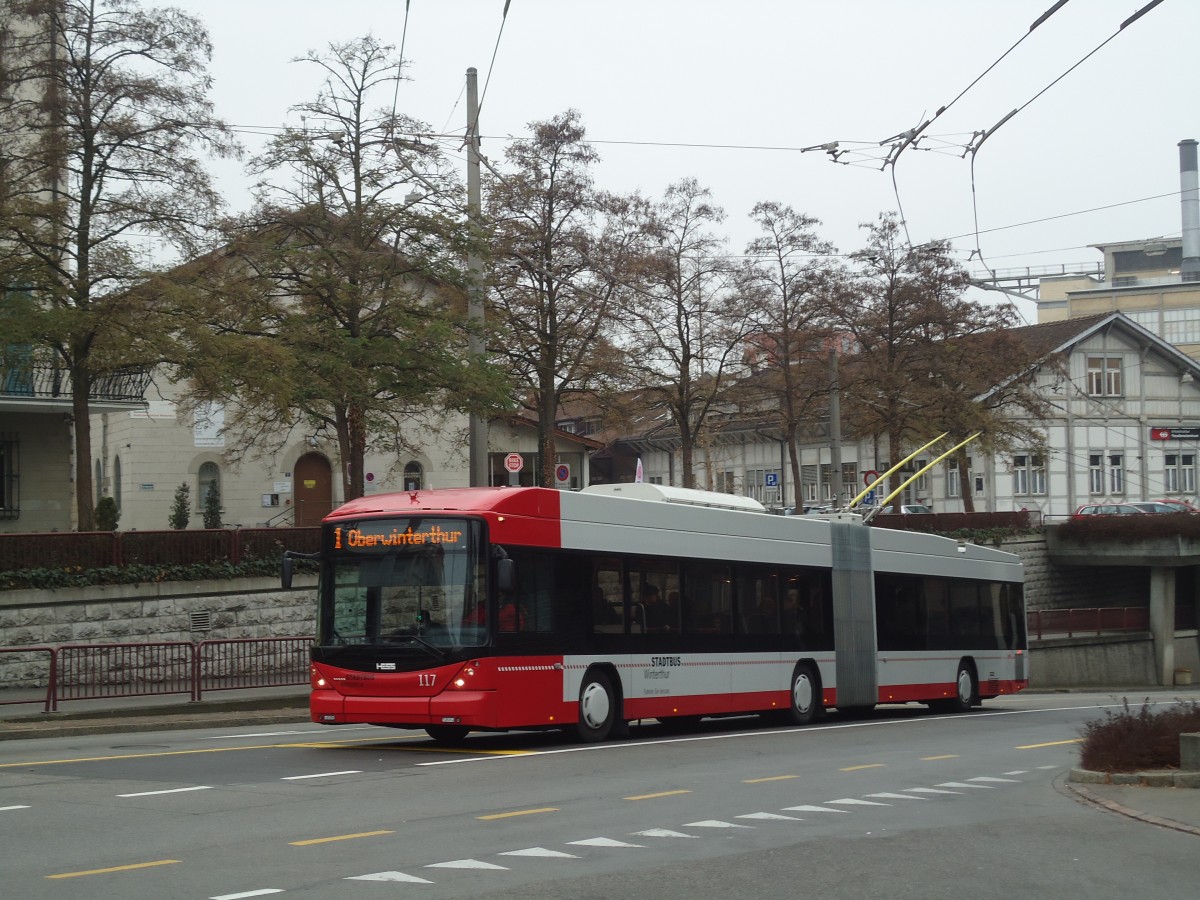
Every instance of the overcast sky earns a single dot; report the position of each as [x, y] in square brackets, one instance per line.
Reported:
[661, 83]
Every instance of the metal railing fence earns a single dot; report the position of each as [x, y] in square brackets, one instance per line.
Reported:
[1073, 622]
[103, 671]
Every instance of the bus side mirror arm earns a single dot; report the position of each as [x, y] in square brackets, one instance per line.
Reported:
[286, 570]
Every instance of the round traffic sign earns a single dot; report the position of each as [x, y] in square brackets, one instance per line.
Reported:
[870, 477]
[513, 462]
[562, 472]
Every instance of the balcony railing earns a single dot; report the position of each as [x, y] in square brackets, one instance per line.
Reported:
[41, 382]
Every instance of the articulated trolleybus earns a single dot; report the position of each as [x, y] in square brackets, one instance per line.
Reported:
[487, 609]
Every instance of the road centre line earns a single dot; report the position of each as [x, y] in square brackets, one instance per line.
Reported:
[339, 837]
[199, 787]
[145, 865]
[519, 812]
[857, 768]
[1050, 744]
[772, 778]
[321, 775]
[7, 808]
[659, 794]
[933, 758]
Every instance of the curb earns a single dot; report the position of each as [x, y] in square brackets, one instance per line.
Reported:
[1086, 796]
[1169, 778]
[28, 730]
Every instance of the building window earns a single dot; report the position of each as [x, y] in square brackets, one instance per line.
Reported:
[725, 483]
[116, 481]
[1104, 376]
[1179, 473]
[1116, 473]
[209, 480]
[414, 476]
[1181, 326]
[1029, 474]
[808, 479]
[10, 502]
[1106, 469]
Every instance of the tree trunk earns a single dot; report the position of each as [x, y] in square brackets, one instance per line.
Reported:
[547, 446]
[85, 502]
[965, 488]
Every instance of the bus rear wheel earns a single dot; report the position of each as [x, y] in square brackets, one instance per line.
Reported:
[447, 734]
[597, 708]
[806, 696]
[966, 691]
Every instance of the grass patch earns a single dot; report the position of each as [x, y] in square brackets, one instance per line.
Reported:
[1138, 740]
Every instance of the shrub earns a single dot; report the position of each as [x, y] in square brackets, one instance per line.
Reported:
[212, 507]
[1129, 741]
[181, 510]
[107, 514]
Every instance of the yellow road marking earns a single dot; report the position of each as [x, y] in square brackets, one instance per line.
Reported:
[655, 796]
[856, 768]
[145, 865]
[1050, 744]
[772, 778]
[520, 812]
[340, 837]
[947, 756]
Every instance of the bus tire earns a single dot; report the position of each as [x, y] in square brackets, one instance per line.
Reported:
[447, 734]
[966, 689]
[597, 708]
[805, 706]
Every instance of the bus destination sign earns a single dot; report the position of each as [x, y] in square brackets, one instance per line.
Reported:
[358, 539]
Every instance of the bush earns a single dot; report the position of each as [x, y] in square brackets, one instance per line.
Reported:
[77, 576]
[107, 514]
[181, 510]
[212, 507]
[1144, 740]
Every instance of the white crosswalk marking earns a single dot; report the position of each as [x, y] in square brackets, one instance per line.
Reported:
[665, 832]
[1018, 772]
[888, 796]
[465, 864]
[813, 809]
[715, 823]
[602, 842]
[852, 801]
[930, 791]
[390, 876]
[541, 852]
[767, 815]
[999, 780]
[978, 787]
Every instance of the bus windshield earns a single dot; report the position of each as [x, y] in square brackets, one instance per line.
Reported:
[412, 580]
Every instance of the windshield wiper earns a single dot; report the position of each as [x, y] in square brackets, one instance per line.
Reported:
[435, 652]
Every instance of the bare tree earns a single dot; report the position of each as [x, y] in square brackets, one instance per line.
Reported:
[793, 286]
[686, 327]
[103, 119]
[558, 246]
[918, 370]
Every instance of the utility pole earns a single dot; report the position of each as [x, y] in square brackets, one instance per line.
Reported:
[835, 427]
[477, 427]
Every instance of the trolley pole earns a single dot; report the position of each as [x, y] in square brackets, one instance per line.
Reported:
[477, 427]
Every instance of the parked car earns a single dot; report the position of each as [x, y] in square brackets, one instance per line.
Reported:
[1108, 509]
[1180, 505]
[906, 509]
[1157, 506]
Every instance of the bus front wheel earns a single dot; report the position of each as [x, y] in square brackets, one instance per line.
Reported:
[447, 734]
[806, 696]
[597, 708]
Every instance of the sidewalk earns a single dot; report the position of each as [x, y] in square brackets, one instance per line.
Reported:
[253, 706]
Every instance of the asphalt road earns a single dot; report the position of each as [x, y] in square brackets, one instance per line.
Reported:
[904, 804]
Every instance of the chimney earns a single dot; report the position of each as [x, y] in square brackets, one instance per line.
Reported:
[1190, 201]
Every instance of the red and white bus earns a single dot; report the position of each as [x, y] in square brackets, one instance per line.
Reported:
[522, 608]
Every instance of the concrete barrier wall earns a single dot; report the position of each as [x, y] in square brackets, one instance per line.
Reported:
[1098, 661]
